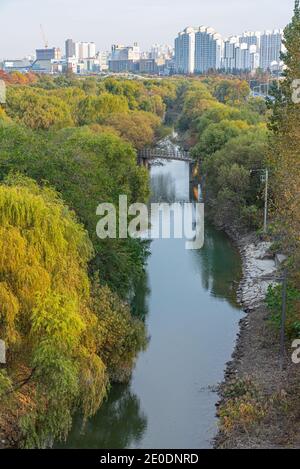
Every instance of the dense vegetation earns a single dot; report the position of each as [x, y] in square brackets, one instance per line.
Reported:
[228, 134]
[66, 145]
[64, 337]
[284, 159]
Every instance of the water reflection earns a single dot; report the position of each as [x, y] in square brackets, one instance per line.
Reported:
[139, 302]
[219, 265]
[187, 300]
[163, 188]
[119, 424]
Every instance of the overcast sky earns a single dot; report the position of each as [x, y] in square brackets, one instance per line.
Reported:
[126, 21]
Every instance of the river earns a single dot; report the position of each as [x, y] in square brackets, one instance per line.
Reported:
[192, 320]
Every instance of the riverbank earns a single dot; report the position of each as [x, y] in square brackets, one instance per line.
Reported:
[258, 405]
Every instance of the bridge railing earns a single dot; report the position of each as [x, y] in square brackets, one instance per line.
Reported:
[152, 153]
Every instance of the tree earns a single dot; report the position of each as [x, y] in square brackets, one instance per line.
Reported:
[44, 292]
[3, 115]
[215, 136]
[136, 127]
[36, 110]
[197, 99]
[284, 151]
[87, 168]
[65, 340]
[233, 194]
[92, 110]
[232, 91]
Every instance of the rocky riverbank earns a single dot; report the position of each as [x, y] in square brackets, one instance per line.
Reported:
[259, 403]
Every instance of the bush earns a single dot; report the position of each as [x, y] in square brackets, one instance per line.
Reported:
[274, 303]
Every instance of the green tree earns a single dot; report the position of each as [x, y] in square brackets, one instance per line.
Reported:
[215, 136]
[284, 153]
[96, 109]
[87, 168]
[136, 127]
[65, 339]
[232, 91]
[37, 111]
[233, 194]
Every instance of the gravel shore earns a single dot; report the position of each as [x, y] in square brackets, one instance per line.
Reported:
[256, 360]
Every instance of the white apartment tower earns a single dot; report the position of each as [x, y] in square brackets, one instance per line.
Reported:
[241, 53]
[198, 50]
[208, 49]
[270, 48]
[185, 51]
[85, 50]
[228, 61]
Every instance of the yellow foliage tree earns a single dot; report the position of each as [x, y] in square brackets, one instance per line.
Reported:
[55, 331]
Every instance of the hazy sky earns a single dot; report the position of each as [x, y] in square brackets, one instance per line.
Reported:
[125, 21]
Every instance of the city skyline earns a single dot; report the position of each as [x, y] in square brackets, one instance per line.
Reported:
[85, 21]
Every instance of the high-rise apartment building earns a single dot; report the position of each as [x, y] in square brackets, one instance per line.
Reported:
[85, 50]
[159, 51]
[242, 57]
[198, 50]
[80, 50]
[270, 48]
[70, 49]
[185, 51]
[228, 60]
[208, 49]
[241, 53]
[250, 38]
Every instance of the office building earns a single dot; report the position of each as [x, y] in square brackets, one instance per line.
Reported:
[124, 58]
[48, 54]
[121, 52]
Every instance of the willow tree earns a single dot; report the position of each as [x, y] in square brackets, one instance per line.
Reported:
[57, 334]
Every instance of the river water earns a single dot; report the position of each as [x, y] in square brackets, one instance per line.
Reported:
[192, 319]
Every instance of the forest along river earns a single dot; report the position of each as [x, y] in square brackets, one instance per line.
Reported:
[192, 319]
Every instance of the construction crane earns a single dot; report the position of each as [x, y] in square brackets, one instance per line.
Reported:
[44, 36]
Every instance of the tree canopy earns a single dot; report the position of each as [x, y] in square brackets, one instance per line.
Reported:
[66, 337]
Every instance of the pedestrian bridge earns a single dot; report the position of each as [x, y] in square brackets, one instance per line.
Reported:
[147, 155]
